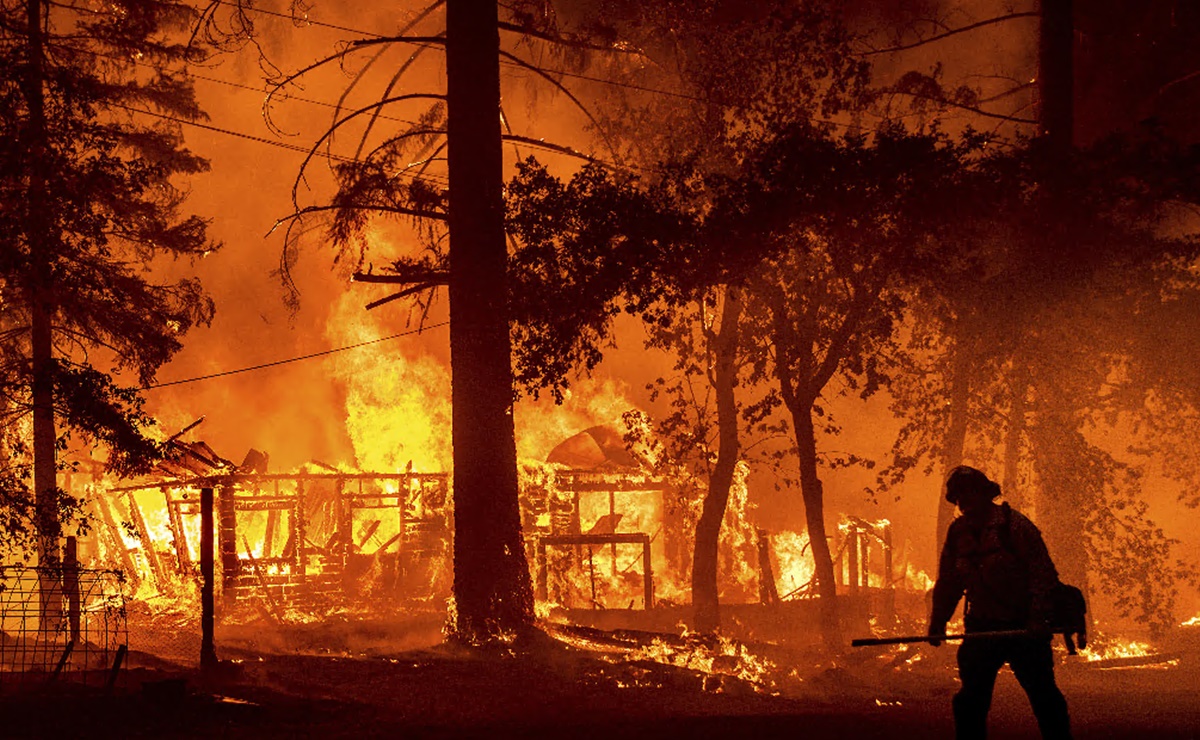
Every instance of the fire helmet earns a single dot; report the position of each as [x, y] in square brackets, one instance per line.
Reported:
[964, 479]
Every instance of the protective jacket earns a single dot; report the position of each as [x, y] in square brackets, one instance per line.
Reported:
[1001, 563]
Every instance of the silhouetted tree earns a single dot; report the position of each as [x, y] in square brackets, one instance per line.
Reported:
[736, 70]
[89, 162]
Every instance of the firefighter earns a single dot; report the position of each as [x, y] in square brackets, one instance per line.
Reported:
[996, 556]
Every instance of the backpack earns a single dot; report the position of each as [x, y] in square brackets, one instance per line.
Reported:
[1068, 609]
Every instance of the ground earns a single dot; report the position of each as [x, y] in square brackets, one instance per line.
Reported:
[580, 683]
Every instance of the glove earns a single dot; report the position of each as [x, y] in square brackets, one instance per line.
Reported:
[935, 633]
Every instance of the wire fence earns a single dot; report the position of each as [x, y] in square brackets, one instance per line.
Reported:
[62, 623]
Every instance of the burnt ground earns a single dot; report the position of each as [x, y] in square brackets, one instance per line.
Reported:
[581, 684]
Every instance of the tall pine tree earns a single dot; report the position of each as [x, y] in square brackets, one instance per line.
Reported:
[91, 101]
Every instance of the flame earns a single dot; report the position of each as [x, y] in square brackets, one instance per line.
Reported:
[918, 580]
[795, 566]
[738, 549]
[1106, 648]
[397, 395]
[726, 657]
[541, 423]
[1193, 622]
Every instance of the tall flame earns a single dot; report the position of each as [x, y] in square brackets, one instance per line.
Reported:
[397, 394]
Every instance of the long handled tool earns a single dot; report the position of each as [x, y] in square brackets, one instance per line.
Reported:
[865, 641]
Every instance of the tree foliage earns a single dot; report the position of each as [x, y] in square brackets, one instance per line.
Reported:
[91, 160]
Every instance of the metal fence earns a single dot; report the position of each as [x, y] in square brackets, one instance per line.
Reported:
[62, 624]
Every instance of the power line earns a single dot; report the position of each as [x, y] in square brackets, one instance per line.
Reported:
[295, 20]
[285, 98]
[549, 70]
[230, 132]
[270, 142]
[294, 359]
[507, 63]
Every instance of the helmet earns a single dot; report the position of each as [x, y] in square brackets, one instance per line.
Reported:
[964, 479]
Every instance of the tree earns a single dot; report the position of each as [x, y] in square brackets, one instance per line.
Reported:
[492, 588]
[91, 197]
[1053, 308]
[738, 71]
[853, 224]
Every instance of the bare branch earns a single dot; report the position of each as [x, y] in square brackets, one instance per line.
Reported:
[337, 57]
[962, 106]
[405, 276]
[952, 32]
[562, 41]
[1004, 94]
[421, 40]
[308, 210]
[543, 74]
[362, 142]
[329, 132]
[540, 144]
[402, 294]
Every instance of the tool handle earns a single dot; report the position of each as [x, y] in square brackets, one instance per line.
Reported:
[863, 642]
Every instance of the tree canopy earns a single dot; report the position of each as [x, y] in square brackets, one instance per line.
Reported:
[91, 158]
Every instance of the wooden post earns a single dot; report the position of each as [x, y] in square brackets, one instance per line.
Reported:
[864, 543]
[647, 576]
[299, 532]
[839, 568]
[71, 585]
[852, 551]
[227, 542]
[592, 575]
[118, 541]
[269, 535]
[208, 653]
[543, 574]
[889, 584]
[612, 511]
[768, 591]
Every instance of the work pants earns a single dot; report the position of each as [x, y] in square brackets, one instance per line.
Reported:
[1032, 661]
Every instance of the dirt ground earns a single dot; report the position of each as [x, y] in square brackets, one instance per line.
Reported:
[582, 684]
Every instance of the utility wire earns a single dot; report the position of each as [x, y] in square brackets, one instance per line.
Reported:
[294, 359]
[287, 97]
[230, 132]
[547, 70]
[506, 63]
[270, 142]
[305, 20]
[514, 65]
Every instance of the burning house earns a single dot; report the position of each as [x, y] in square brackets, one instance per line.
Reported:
[604, 537]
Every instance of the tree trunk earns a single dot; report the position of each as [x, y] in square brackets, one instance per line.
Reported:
[1056, 74]
[492, 589]
[708, 529]
[39, 240]
[812, 491]
[955, 441]
[1063, 496]
[45, 467]
[1017, 410]
[1061, 506]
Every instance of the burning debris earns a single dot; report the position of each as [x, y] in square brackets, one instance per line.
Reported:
[608, 542]
[310, 540]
